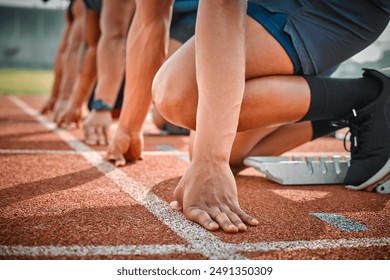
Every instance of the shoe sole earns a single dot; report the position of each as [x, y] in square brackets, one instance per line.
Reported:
[380, 177]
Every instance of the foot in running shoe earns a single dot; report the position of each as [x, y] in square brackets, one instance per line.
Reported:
[370, 139]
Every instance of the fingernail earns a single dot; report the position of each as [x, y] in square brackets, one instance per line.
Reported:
[233, 228]
[254, 221]
[213, 225]
[242, 227]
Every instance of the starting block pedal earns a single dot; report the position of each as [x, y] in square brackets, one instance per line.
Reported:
[302, 171]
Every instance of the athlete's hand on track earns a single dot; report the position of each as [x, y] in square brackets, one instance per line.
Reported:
[70, 115]
[59, 108]
[49, 106]
[125, 147]
[207, 194]
[96, 126]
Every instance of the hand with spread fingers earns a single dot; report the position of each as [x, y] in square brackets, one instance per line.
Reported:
[125, 147]
[96, 127]
[211, 200]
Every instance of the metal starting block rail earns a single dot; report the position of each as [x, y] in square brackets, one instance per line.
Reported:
[302, 171]
[309, 170]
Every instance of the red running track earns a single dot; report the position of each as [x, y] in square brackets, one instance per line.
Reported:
[60, 200]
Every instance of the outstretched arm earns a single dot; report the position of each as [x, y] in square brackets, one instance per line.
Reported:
[70, 60]
[58, 66]
[146, 50]
[207, 192]
[86, 75]
[115, 20]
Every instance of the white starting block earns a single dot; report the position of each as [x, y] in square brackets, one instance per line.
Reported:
[307, 171]
[302, 171]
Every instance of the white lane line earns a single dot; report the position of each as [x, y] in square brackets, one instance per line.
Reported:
[85, 251]
[36, 152]
[131, 250]
[164, 153]
[200, 239]
[72, 152]
[325, 244]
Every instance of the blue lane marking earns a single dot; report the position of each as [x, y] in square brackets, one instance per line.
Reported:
[165, 148]
[339, 221]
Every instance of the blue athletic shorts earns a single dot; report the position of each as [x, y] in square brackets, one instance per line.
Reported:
[274, 23]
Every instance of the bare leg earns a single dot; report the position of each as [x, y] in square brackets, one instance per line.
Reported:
[273, 141]
[264, 57]
[176, 93]
[158, 119]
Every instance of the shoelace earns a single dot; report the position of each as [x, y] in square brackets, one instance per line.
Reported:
[353, 131]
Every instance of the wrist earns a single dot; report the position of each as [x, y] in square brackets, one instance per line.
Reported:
[101, 105]
[125, 129]
[210, 157]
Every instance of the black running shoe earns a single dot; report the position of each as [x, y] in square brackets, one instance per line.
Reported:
[370, 139]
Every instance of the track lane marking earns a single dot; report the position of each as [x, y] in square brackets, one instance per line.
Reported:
[90, 250]
[201, 240]
[176, 221]
[274, 246]
[73, 152]
[313, 244]
[339, 222]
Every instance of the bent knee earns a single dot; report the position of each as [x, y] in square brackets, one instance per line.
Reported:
[168, 96]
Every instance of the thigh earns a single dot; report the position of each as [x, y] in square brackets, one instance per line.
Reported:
[264, 57]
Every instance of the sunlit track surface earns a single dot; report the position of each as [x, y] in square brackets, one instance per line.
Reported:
[293, 223]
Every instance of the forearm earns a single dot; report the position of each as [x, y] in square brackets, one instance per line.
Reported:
[220, 70]
[57, 76]
[111, 68]
[146, 51]
[85, 79]
[70, 59]
[58, 61]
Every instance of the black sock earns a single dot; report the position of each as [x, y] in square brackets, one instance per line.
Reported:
[333, 98]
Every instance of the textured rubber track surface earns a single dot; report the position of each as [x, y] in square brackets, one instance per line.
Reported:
[60, 200]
